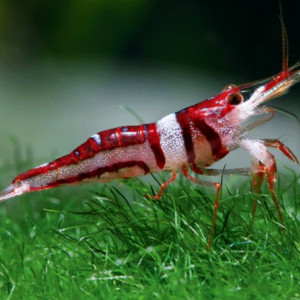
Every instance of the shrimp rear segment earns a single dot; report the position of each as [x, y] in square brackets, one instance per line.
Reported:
[122, 152]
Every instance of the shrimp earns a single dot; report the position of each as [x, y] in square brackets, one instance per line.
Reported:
[191, 139]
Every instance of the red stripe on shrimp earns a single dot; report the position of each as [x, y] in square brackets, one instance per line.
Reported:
[185, 125]
[154, 142]
[213, 138]
[120, 137]
[100, 171]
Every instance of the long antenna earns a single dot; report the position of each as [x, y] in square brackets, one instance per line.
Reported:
[285, 43]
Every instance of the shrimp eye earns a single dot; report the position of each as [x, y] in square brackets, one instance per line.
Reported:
[235, 98]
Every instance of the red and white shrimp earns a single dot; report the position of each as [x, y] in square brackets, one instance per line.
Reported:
[190, 139]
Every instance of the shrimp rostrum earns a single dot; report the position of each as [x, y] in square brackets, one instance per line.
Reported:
[191, 139]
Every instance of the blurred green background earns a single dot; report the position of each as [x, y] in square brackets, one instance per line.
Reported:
[68, 66]
[228, 36]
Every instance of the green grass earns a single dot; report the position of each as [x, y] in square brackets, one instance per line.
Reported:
[116, 244]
